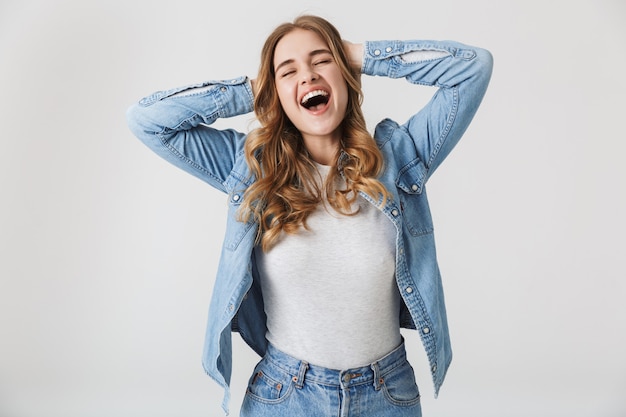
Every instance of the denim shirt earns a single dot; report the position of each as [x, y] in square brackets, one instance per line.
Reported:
[176, 125]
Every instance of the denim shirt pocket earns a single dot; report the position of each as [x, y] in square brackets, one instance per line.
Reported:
[413, 202]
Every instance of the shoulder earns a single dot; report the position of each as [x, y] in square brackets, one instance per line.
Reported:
[393, 139]
[384, 131]
[403, 165]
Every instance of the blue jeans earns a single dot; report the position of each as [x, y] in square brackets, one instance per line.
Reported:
[285, 386]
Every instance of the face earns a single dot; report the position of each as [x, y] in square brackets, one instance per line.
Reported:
[311, 88]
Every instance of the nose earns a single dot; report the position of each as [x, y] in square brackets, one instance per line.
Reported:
[309, 76]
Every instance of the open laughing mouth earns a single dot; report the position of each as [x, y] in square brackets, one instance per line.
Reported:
[315, 100]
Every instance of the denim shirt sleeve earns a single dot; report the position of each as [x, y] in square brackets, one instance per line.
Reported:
[175, 125]
[461, 74]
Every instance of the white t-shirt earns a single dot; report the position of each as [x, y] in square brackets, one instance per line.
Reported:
[329, 292]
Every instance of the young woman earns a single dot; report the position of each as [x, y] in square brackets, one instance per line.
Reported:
[329, 245]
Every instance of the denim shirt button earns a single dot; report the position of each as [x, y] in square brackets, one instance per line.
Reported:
[409, 290]
[426, 330]
[434, 368]
[236, 197]
[377, 52]
[414, 187]
[394, 213]
[223, 89]
[388, 49]
[231, 307]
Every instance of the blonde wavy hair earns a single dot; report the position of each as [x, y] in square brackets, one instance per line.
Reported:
[285, 192]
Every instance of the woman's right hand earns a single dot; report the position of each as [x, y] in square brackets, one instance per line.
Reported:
[254, 86]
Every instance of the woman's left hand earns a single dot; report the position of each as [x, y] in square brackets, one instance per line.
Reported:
[355, 53]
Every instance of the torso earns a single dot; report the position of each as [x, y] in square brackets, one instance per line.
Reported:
[329, 292]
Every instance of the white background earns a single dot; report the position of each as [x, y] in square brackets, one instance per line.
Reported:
[108, 254]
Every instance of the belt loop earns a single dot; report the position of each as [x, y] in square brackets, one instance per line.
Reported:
[299, 379]
[378, 380]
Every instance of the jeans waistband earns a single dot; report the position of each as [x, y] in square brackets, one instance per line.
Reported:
[302, 371]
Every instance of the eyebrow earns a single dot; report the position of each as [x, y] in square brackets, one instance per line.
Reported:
[311, 54]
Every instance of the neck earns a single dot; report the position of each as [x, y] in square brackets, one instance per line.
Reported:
[323, 150]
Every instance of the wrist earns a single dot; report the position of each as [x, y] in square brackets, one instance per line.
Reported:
[354, 52]
[357, 55]
[253, 86]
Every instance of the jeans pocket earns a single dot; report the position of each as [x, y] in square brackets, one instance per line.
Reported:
[269, 384]
[399, 386]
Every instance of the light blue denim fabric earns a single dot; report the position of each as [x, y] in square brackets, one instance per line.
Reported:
[175, 125]
[285, 386]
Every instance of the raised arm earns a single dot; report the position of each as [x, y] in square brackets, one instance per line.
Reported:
[461, 74]
[174, 124]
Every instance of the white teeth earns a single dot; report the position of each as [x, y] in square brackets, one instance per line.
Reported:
[312, 94]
